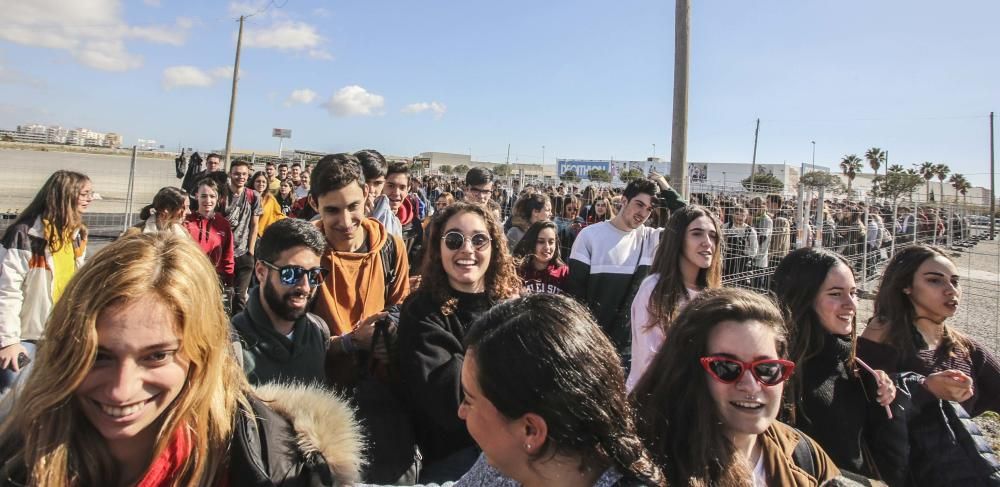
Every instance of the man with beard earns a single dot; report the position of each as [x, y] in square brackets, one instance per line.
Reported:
[281, 342]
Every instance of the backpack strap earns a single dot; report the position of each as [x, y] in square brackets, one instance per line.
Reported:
[389, 267]
[803, 454]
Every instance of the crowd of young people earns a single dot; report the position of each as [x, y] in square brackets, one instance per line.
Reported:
[399, 331]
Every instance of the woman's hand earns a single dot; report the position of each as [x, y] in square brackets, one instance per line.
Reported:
[9, 355]
[949, 385]
[886, 389]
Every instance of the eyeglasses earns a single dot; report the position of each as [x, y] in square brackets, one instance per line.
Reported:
[479, 191]
[291, 274]
[456, 240]
[768, 372]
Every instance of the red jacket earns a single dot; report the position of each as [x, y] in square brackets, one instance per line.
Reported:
[215, 237]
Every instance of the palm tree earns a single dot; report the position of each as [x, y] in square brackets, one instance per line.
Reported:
[961, 185]
[876, 157]
[941, 171]
[894, 168]
[926, 170]
[851, 166]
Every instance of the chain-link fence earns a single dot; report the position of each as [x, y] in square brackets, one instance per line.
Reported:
[760, 228]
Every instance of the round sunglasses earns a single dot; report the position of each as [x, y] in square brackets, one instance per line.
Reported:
[290, 275]
[454, 240]
[768, 372]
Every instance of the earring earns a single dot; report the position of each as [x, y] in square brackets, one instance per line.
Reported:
[527, 446]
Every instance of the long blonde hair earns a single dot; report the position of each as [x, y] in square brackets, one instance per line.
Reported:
[48, 438]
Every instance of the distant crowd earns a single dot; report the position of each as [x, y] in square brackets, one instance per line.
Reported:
[347, 322]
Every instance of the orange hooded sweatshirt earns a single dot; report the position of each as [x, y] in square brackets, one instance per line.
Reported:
[355, 289]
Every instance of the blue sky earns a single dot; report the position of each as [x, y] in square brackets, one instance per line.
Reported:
[586, 79]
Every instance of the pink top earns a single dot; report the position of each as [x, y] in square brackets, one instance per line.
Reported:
[646, 340]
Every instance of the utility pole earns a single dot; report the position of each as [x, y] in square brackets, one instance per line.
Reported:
[753, 162]
[993, 196]
[814, 155]
[232, 99]
[678, 141]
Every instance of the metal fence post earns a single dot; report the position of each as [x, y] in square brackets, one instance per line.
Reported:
[130, 195]
[818, 240]
[864, 254]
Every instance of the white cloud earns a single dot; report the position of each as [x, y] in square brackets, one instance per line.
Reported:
[237, 9]
[304, 96]
[152, 3]
[434, 107]
[320, 12]
[193, 76]
[354, 100]
[92, 31]
[288, 35]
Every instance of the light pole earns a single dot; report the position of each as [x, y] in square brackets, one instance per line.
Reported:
[543, 155]
[814, 155]
[654, 151]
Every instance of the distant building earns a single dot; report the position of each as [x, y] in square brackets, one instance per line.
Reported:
[113, 140]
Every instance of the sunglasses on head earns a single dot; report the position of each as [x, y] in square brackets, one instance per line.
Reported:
[768, 372]
[290, 275]
[454, 240]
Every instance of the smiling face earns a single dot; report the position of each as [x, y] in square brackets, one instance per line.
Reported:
[260, 184]
[342, 211]
[746, 407]
[207, 199]
[137, 374]
[636, 211]
[238, 176]
[467, 266]
[545, 245]
[700, 242]
[395, 189]
[837, 300]
[935, 292]
[287, 302]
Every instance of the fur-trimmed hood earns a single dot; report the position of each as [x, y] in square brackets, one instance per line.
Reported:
[296, 435]
[324, 425]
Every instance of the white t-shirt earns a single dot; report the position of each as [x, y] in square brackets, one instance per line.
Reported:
[759, 475]
[646, 340]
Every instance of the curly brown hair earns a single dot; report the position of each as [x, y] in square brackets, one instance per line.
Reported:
[502, 281]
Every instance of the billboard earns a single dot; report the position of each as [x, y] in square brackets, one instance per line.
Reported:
[698, 172]
[580, 167]
[282, 133]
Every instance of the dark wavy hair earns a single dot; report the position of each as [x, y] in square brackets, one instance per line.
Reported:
[893, 308]
[544, 342]
[795, 284]
[677, 418]
[167, 200]
[502, 281]
[57, 202]
[669, 289]
[524, 251]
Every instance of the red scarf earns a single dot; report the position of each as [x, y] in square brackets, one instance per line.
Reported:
[166, 467]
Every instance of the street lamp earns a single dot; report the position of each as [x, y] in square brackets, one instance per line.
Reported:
[654, 151]
[814, 155]
[543, 155]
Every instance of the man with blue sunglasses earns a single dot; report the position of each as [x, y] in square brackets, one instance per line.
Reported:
[280, 340]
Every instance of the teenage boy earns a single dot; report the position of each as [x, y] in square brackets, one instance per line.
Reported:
[611, 258]
[243, 210]
[478, 185]
[404, 207]
[368, 266]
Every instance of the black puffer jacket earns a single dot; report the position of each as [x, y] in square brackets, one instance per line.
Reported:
[300, 436]
[935, 444]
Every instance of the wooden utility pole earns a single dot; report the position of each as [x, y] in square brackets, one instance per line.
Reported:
[232, 99]
[753, 162]
[678, 141]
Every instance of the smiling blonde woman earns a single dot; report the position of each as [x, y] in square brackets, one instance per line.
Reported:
[136, 384]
